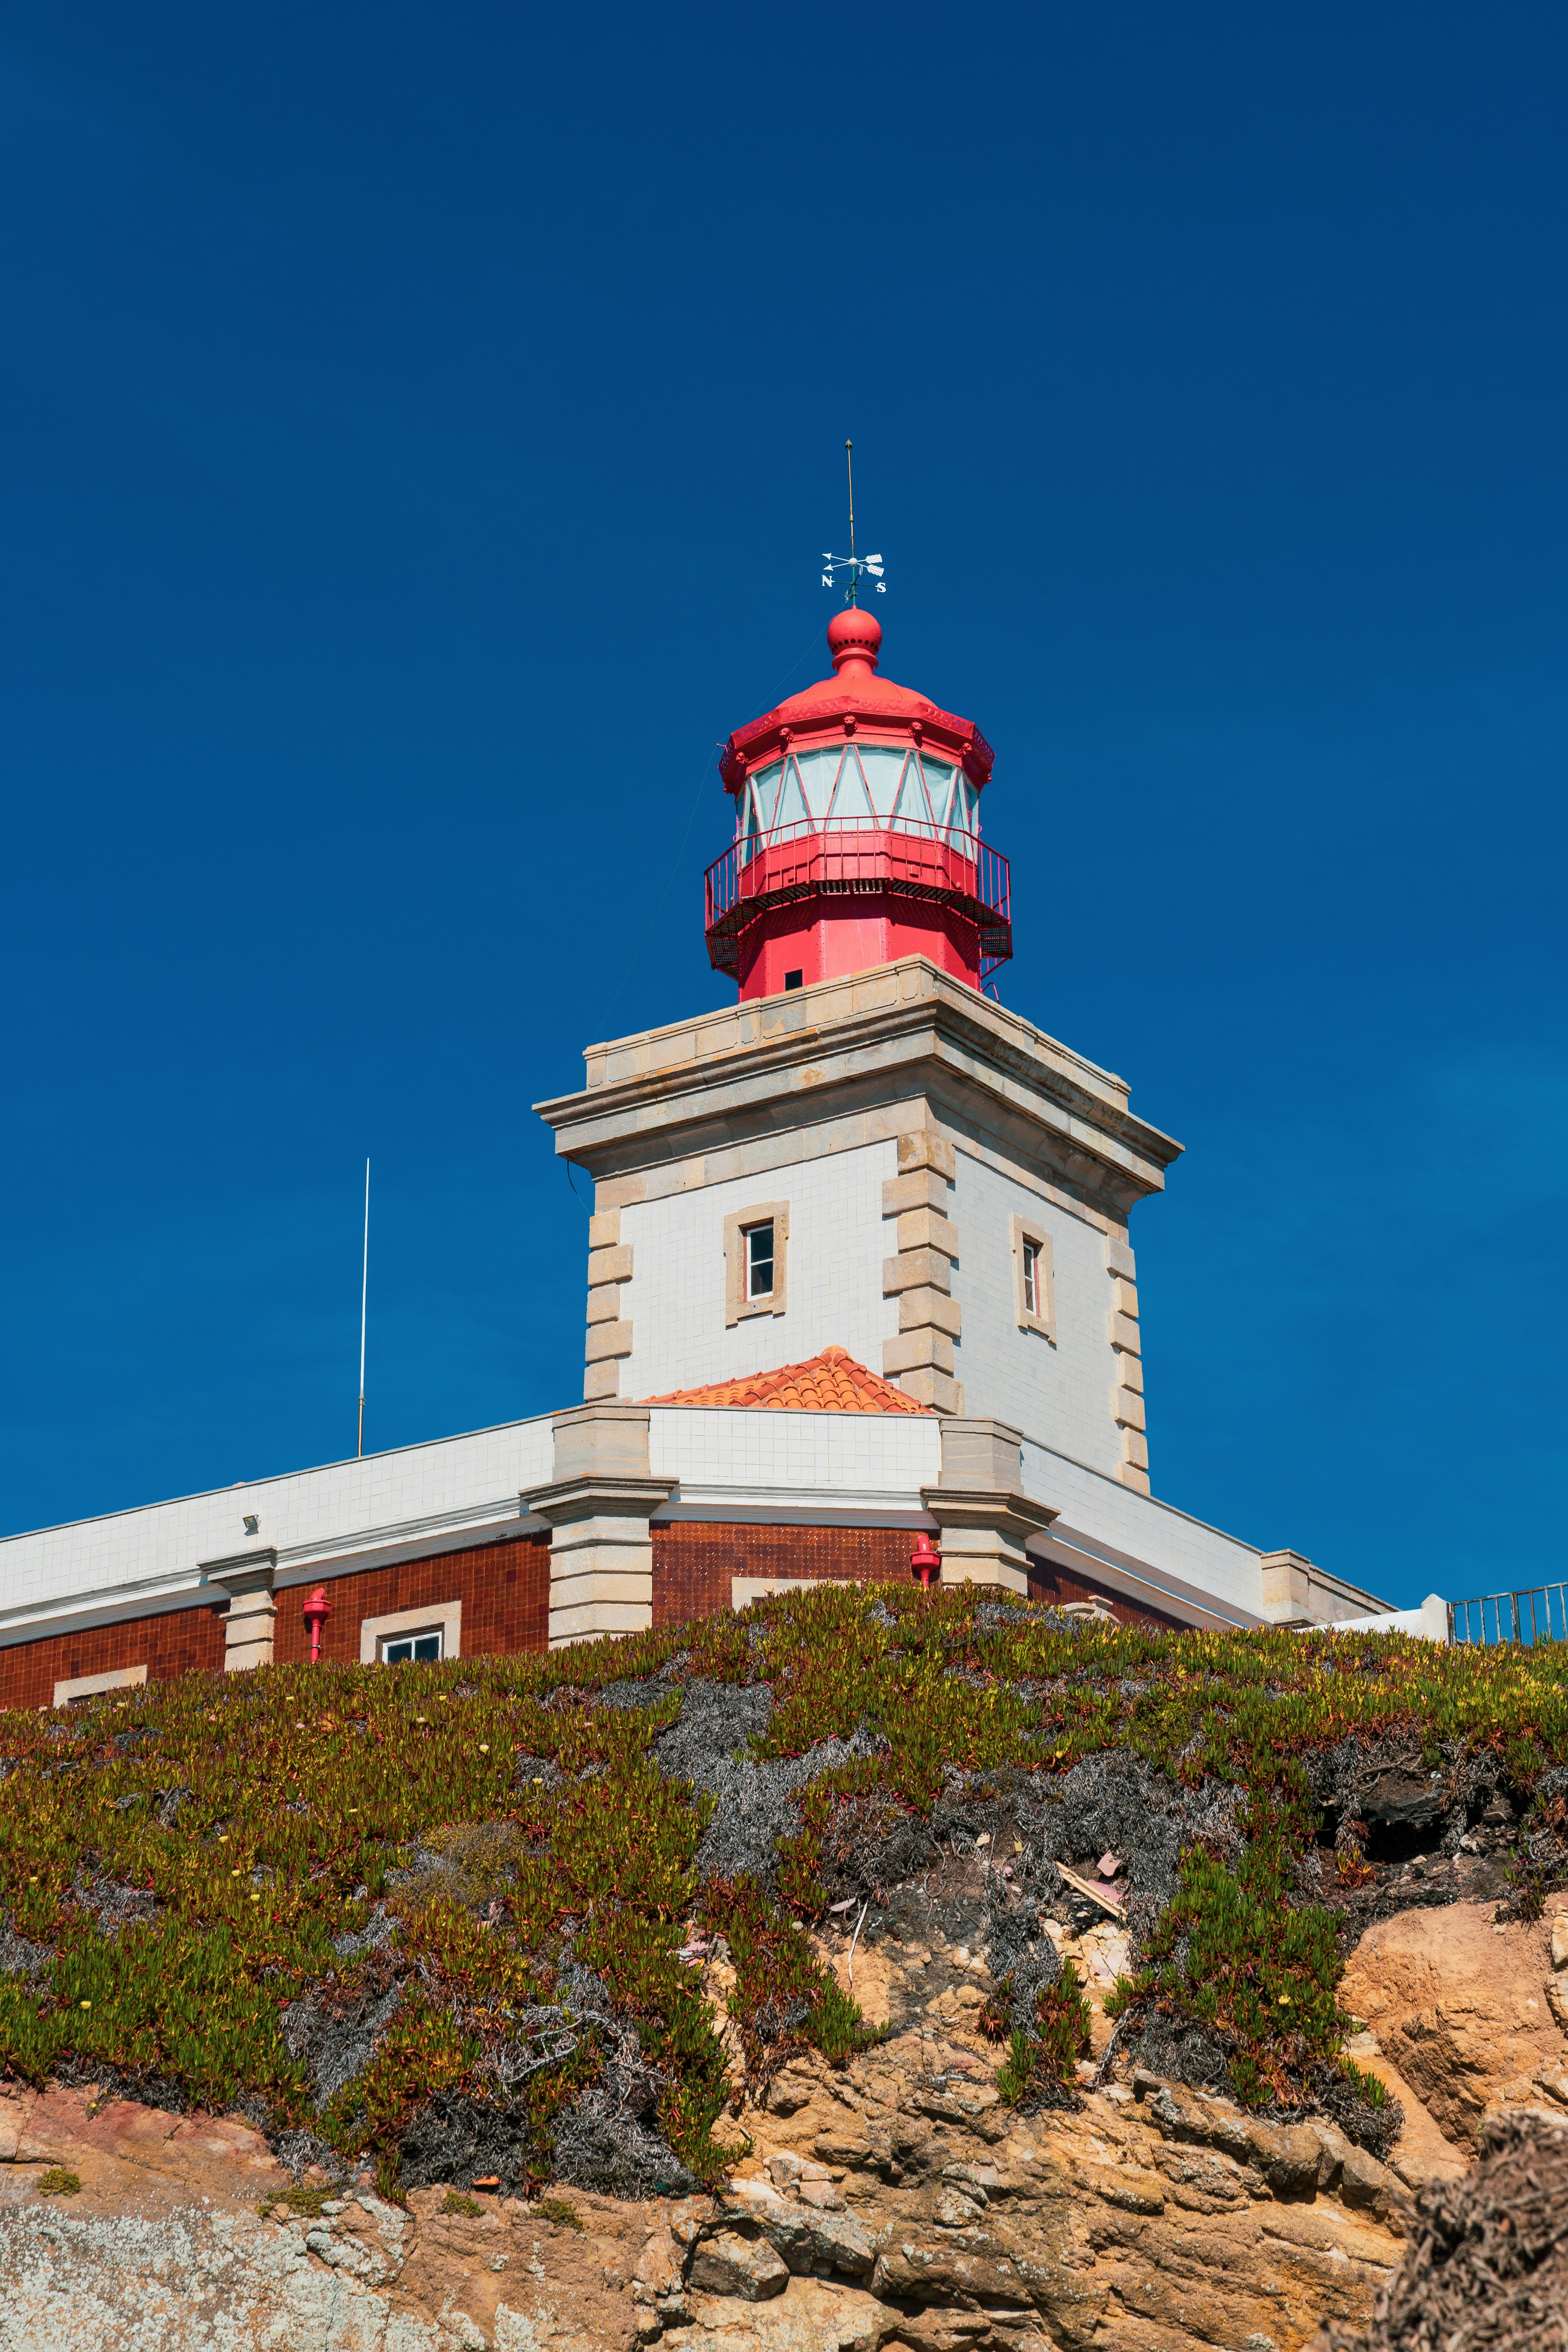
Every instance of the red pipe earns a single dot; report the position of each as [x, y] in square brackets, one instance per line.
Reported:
[925, 1559]
[315, 1612]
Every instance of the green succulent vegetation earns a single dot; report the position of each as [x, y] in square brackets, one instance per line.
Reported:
[184, 1859]
[305, 2203]
[58, 2182]
[455, 2201]
[1055, 2038]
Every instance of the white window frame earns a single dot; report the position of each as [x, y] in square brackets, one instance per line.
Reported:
[445, 1618]
[749, 1269]
[410, 1641]
[89, 1686]
[738, 1304]
[1030, 1232]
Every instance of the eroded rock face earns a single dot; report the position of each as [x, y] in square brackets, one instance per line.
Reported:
[1464, 2010]
[895, 2201]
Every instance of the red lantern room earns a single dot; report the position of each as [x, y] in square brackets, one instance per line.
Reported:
[857, 835]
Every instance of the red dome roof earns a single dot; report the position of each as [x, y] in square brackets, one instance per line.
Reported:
[855, 701]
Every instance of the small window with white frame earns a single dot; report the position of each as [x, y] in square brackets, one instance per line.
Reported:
[1031, 1277]
[757, 1257]
[1034, 1287]
[760, 1261]
[406, 1649]
[412, 1636]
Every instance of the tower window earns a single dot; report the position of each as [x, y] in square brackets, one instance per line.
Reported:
[794, 980]
[1033, 1288]
[756, 1260]
[760, 1261]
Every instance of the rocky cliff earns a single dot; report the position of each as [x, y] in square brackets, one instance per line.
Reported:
[870, 1970]
[894, 2200]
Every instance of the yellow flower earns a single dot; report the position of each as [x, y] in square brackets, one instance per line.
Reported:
[484, 1747]
[87, 2004]
[234, 1873]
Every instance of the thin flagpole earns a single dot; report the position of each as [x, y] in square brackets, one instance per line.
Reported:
[364, 1296]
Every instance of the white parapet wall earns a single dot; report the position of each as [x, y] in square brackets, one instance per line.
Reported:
[419, 1497]
[1430, 1621]
[809, 1469]
[818, 1468]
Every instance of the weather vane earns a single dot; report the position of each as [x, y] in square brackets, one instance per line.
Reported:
[852, 563]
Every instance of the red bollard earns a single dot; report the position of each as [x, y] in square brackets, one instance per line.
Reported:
[925, 1559]
[315, 1612]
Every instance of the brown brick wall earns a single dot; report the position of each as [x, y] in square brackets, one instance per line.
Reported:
[181, 1641]
[1048, 1582]
[694, 1559]
[504, 1589]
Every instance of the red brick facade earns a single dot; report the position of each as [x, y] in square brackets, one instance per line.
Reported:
[182, 1641]
[1051, 1584]
[505, 1591]
[694, 1561]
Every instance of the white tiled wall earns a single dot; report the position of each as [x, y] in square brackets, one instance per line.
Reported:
[675, 1300]
[1060, 1394]
[456, 1481]
[861, 1461]
[1103, 1509]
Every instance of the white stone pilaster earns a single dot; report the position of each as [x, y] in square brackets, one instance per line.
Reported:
[599, 1504]
[983, 1518]
[247, 1578]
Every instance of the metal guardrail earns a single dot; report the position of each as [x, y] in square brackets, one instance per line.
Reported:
[807, 859]
[1538, 1614]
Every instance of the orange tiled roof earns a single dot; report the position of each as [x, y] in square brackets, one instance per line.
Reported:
[831, 1383]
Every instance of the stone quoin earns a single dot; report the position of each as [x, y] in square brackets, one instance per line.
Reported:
[861, 1292]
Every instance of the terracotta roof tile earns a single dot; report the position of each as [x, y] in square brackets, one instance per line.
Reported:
[831, 1383]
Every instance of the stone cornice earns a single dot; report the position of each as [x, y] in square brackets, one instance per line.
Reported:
[597, 1492]
[1006, 1509]
[825, 1052]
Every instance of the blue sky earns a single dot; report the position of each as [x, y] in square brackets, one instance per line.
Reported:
[420, 427]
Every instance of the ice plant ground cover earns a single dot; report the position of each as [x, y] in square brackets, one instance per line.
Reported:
[379, 1905]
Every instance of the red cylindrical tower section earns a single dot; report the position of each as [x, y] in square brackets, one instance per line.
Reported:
[857, 835]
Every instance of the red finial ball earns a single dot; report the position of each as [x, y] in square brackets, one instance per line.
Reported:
[854, 636]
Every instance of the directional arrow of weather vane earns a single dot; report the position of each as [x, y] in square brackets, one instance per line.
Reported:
[855, 566]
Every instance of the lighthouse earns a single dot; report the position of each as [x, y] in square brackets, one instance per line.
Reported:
[857, 835]
[861, 1301]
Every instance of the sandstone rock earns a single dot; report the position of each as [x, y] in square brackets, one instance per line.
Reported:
[822, 2194]
[807, 2240]
[948, 2270]
[1146, 2226]
[730, 2264]
[953, 2211]
[689, 2217]
[1560, 1940]
[658, 2265]
[979, 2180]
[1460, 2010]
[810, 2317]
[788, 2092]
[1287, 2156]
